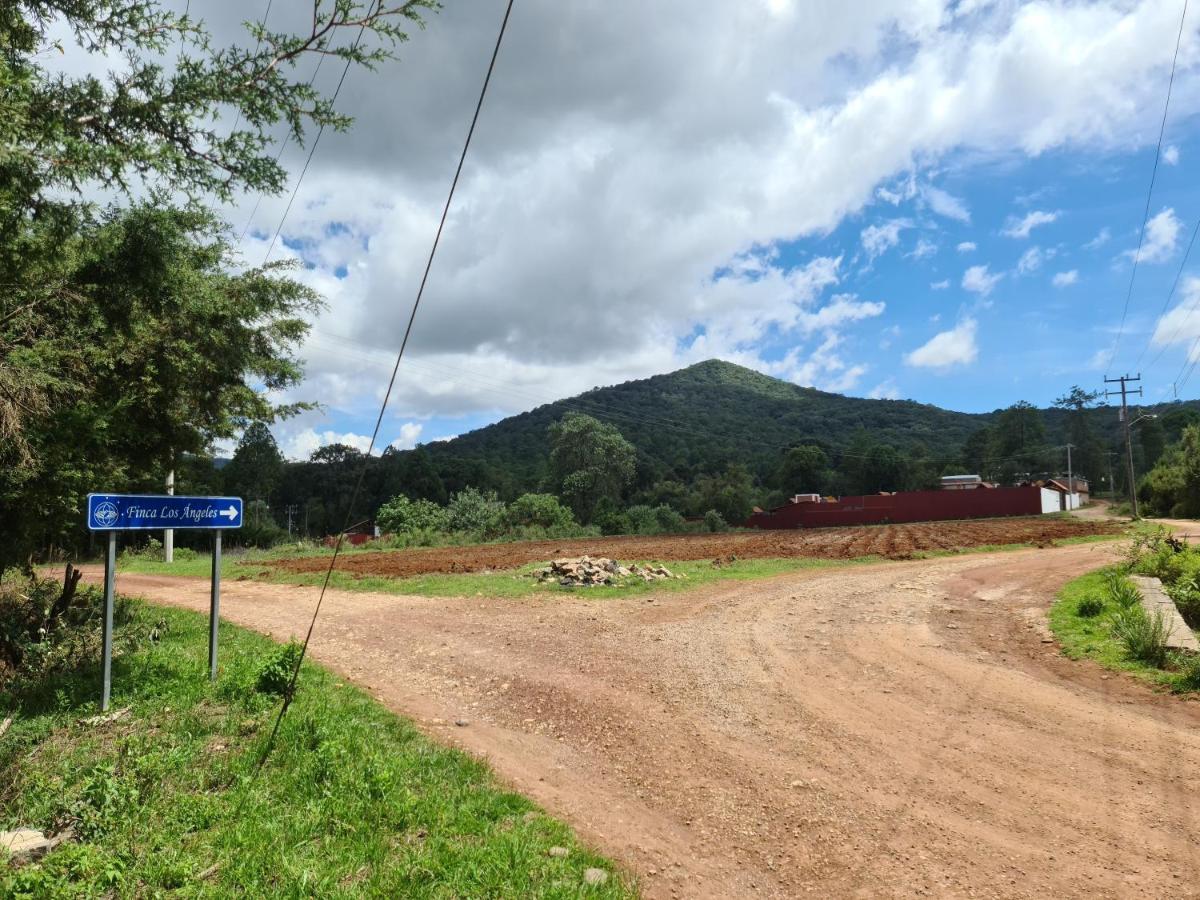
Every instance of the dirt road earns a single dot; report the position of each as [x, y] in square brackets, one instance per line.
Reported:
[892, 729]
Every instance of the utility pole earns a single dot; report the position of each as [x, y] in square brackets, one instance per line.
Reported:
[1124, 392]
[291, 511]
[169, 534]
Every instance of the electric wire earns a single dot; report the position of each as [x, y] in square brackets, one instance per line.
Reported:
[1167, 303]
[1149, 193]
[290, 693]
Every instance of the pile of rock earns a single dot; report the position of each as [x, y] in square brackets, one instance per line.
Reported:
[588, 572]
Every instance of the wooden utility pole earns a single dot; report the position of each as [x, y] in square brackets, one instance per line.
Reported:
[1124, 381]
[1070, 478]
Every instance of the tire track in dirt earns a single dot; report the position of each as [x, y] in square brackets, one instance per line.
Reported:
[886, 730]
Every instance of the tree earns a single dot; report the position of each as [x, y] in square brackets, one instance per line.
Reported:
[154, 352]
[401, 515]
[803, 470]
[589, 462]
[133, 338]
[883, 470]
[1018, 441]
[540, 511]
[1088, 453]
[1153, 439]
[730, 493]
[257, 464]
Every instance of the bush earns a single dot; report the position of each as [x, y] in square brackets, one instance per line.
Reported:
[714, 521]
[403, 516]
[1143, 636]
[540, 511]
[642, 519]
[1089, 607]
[275, 676]
[1189, 674]
[42, 635]
[474, 511]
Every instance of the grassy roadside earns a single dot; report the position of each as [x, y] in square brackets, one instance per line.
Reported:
[1090, 636]
[354, 801]
[519, 583]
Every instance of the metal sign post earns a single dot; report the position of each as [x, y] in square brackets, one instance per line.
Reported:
[110, 575]
[214, 610]
[154, 512]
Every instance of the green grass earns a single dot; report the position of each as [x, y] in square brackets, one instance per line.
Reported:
[353, 802]
[1090, 636]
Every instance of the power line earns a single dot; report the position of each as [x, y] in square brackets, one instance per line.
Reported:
[313, 149]
[1149, 193]
[1167, 303]
[391, 381]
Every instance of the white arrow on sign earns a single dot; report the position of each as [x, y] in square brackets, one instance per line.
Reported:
[231, 512]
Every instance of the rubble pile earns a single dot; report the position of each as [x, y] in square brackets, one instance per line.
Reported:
[587, 572]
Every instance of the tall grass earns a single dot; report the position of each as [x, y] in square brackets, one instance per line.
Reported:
[1142, 635]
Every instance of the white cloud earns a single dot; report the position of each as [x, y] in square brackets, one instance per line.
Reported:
[1162, 235]
[885, 390]
[824, 369]
[1181, 324]
[947, 348]
[1171, 155]
[1020, 228]
[410, 432]
[1103, 236]
[923, 249]
[966, 247]
[1030, 261]
[945, 204]
[940, 285]
[978, 280]
[1065, 279]
[877, 239]
[605, 201]
[301, 444]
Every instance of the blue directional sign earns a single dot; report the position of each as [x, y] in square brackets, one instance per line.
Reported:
[154, 512]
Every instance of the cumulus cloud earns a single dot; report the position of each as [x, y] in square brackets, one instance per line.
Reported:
[1103, 236]
[979, 281]
[615, 220]
[940, 285]
[1171, 155]
[923, 249]
[966, 247]
[301, 444]
[1020, 228]
[1181, 324]
[1065, 279]
[410, 432]
[878, 239]
[947, 348]
[1162, 235]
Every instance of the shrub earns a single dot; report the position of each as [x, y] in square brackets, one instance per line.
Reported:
[1122, 591]
[538, 510]
[1143, 636]
[1189, 674]
[275, 676]
[669, 521]
[1186, 594]
[714, 521]
[473, 510]
[642, 519]
[1089, 607]
[403, 516]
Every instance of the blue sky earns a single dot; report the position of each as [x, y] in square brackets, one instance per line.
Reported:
[929, 199]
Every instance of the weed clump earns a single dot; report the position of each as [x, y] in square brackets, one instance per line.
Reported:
[275, 676]
[1089, 607]
[1143, 636]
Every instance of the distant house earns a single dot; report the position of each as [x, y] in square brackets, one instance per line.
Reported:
[806, 498]
[961, 482]
[1057, 493]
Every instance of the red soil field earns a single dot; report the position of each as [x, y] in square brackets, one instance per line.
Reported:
[890, 541]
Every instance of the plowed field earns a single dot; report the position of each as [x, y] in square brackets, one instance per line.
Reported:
[890, 541]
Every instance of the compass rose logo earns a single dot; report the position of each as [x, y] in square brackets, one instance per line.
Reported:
[105, 514]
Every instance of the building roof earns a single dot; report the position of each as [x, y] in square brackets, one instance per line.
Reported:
[964, 478]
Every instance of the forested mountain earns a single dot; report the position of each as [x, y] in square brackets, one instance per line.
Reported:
[720, 435]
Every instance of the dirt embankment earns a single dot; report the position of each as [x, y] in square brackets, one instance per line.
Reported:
[890, 541]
